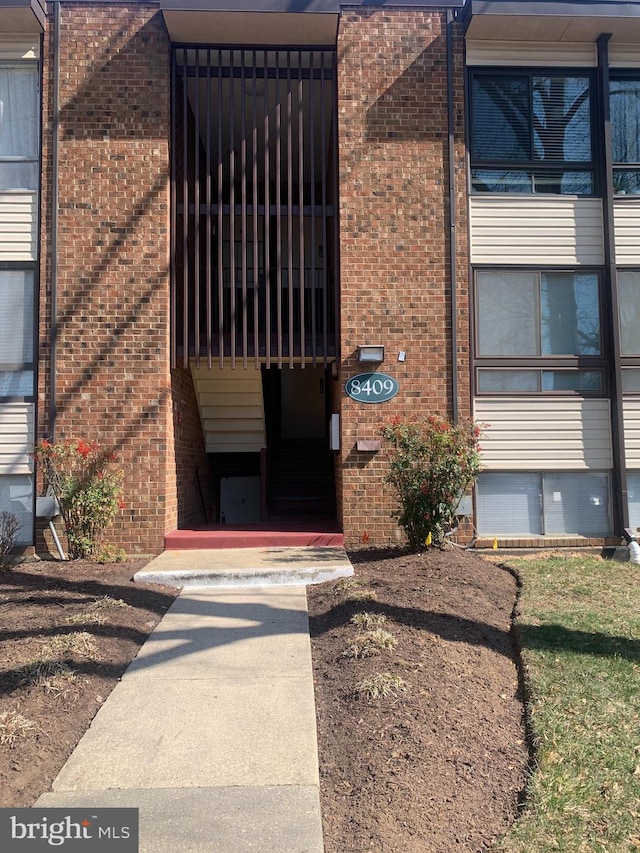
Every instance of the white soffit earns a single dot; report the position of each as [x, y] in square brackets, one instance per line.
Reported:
[553, 28]
[262, 28]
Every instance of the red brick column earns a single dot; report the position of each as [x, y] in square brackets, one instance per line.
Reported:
[394, 243]
[113, 378]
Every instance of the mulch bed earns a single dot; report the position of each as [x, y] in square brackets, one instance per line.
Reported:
[441, 766]
[39, 602]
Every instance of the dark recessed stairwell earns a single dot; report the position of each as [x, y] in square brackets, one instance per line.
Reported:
[301, 479]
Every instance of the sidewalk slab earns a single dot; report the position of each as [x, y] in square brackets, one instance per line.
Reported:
[213, 820]
[168, 734]
[211, 732]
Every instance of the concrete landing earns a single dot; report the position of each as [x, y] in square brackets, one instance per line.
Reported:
[228, 567]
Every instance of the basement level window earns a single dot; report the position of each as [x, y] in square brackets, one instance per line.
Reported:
[543, 503]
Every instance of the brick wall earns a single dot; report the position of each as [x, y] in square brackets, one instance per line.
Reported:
[394, 215]
[113, 381]
[195, 492]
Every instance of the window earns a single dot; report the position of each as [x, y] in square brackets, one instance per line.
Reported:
[543, 504]
[538, 332]
[16, 496]
[531, 133]
[16, 333]
[629, 297]
[633, 485]
[19, 131]
[624, 99]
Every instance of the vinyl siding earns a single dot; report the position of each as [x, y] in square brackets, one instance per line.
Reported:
[624, 55]
[16, 437]
[19, 47]
[626, 214]
[533, 54]
[536, 230]
[544, 434]
[18, 226]
[631, 411]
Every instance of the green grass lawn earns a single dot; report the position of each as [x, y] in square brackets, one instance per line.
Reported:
[578, 623]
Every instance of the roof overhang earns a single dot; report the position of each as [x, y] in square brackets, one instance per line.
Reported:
[22, 16]
[552, 20]
[302, 22]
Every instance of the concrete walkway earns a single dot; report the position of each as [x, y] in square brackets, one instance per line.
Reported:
[211, 731]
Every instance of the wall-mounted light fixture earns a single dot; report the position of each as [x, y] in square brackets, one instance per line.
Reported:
[370, 354]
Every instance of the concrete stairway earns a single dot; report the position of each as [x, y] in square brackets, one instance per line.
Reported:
[231, 408]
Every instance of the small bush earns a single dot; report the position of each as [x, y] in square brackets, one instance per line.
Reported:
[431, 466]
[88, 488]
[14, 726]
[371, 643]
[107, 601]
[44, 672]
[354, 590]
[381, 685]
[9, 528]
[368, 620]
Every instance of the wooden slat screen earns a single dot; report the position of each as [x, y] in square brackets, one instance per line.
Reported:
[254, 263]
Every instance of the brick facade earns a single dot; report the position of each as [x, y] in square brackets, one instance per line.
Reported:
[394, 227]
[114, 383]
[113, 378]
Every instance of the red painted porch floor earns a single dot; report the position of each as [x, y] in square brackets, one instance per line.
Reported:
[272, 534]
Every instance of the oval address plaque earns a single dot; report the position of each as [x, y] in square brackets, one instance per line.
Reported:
[372, 387]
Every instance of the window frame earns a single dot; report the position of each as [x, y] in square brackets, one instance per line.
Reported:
[36, 159]
[618, 74]
[560, 363]
[533, 166]
[18, 367]
[628, 361]
[543, 515]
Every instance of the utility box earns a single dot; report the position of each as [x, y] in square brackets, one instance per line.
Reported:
[240, 500]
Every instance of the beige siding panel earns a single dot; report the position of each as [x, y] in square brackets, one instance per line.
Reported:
[624, 55]
[536, 230]
[631, 409]
[16, 438]
[626, 217]
[18, 226]
[544, 434]
[19, 47]
[530, 53]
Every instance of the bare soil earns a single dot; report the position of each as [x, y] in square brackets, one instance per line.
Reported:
[438, 767]
[39, 603]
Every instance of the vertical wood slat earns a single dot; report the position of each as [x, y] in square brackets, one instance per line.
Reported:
[290, 210]
[312, 179]
[174, 218]
[334, 203]
[196, 205]
[254, 199]
[323, 161]
[185, 219]
[278, 131]
[243, 202]
[301, 252]
[220, 224]
[267, 216]
[232, 211]
[208, 223]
